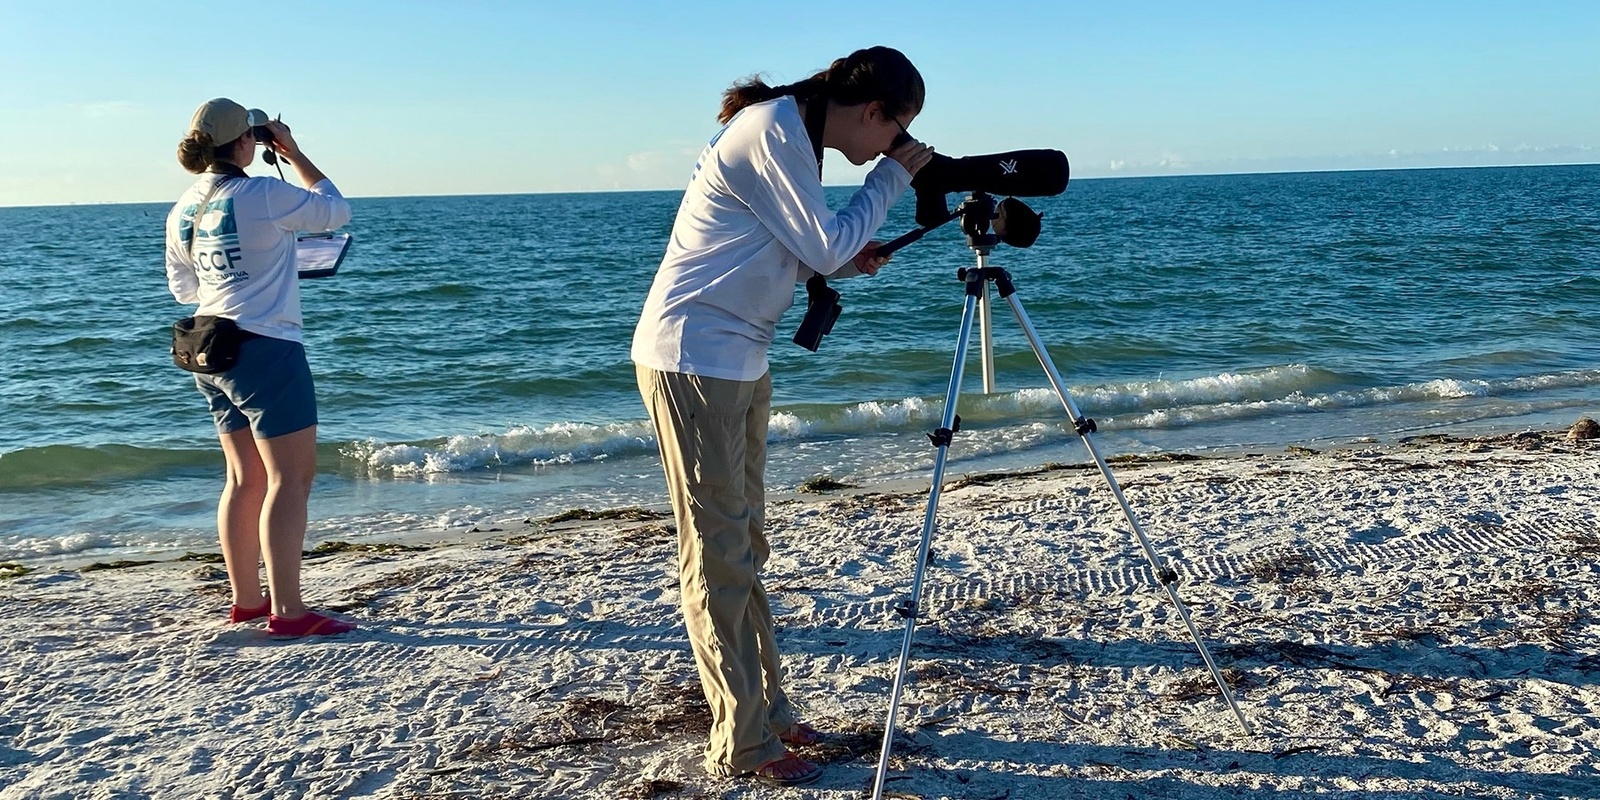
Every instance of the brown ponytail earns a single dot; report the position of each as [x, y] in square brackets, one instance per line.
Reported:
[880, 74]
[196, 153]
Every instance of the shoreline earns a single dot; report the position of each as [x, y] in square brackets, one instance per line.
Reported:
[1403, 621]
[498, 526]
[93, 506]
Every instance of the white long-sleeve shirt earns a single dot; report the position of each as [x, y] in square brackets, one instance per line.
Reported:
[242, 265]
[751, 225]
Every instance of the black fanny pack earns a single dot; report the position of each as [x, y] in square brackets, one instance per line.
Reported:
[207, 344]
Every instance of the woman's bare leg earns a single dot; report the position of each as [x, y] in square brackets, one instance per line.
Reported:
[290, 462]
[239, 517]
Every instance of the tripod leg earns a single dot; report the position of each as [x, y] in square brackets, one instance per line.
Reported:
[1164, 574]
[986, 332]
[941, 439]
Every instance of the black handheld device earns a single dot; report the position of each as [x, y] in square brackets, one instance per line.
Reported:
[822, 309]
[263, 135]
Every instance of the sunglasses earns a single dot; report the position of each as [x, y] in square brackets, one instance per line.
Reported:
[900, 138]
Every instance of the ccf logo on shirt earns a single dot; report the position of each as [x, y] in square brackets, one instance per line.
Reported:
[216, 245]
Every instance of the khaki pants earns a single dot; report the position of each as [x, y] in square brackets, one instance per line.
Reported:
[713, 438]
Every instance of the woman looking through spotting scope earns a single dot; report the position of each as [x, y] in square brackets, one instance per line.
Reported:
[752, 224]
[231, 249]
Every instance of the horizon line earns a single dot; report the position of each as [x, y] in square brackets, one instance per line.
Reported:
[844, 185]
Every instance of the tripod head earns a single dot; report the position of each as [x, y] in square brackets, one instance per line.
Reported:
[977, 214]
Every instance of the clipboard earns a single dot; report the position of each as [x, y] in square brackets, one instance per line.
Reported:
[318, 255]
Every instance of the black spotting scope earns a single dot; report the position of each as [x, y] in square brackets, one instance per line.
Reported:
[1019, 173]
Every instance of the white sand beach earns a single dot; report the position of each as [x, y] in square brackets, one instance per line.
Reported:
[1415, 620]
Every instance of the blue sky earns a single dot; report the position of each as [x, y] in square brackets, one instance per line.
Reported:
[407, 98]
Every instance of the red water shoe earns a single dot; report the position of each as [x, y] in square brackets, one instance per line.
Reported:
[312, 624]
[237, 614]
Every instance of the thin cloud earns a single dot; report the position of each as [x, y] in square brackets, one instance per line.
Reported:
[652, 161]
[112, 108]
[649, 169]
[1455, 156]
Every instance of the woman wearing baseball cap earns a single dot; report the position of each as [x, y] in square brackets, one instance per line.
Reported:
[230, 247]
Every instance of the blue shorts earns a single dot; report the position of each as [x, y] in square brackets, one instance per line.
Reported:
[269, 390]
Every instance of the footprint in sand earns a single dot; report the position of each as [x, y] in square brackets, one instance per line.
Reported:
[1377, 534]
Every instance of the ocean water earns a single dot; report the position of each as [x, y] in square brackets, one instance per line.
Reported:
[471, 357]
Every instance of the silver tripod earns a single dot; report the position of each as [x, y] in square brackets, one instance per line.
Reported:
[976, 213]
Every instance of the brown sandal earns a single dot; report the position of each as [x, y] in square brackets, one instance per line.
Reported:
[787, 770]
[801, 734]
